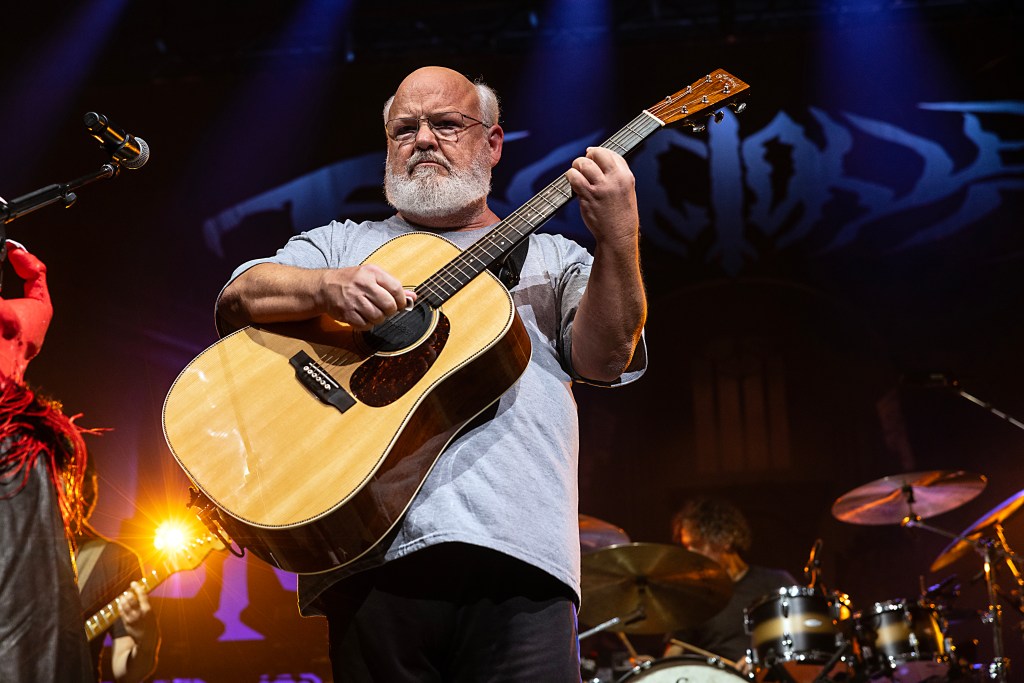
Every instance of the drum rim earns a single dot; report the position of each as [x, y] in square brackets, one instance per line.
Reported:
[896, 660]
[802, 657]
[831, 598]
[795, 591]
[690, 659]
[895, 605]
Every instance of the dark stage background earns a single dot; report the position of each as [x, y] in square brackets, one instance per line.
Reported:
[861, 221]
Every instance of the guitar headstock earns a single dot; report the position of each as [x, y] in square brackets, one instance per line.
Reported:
[192, 554]
[704, 98]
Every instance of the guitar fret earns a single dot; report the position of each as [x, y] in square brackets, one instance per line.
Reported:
[565, 193]
[109, 613]
[493, 246]
[612, 145]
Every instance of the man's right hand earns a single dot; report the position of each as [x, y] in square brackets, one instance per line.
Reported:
[362, 296]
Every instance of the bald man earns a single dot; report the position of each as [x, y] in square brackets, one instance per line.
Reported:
[480, 579]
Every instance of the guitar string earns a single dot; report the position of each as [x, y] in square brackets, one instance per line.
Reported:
[471, 262]
[624, 140]
[468, 264]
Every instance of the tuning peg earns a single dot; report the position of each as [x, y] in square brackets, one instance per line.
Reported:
[698, 127]
[719, 115]
[738, 107]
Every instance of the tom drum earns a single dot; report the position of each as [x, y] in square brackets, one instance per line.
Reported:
[903, 640]
[800, 630]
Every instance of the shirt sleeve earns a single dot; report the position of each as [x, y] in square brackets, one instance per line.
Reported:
[311, 249]
[575, 273]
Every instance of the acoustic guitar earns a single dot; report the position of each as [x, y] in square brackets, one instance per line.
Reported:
[189, 557]
[309, 440]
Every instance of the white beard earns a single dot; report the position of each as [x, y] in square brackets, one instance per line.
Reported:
[428, 193]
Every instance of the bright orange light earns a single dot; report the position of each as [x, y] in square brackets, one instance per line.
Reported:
[171, 537]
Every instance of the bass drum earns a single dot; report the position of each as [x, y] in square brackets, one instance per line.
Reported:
[688, 668]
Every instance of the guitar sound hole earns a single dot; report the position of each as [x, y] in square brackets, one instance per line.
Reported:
[400, 331]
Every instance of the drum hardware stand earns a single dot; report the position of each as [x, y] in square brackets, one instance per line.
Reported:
[830, 664]
[633, 617]
[776, 671]
[997, 669]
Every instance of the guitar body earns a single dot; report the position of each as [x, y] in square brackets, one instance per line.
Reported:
[309, 485]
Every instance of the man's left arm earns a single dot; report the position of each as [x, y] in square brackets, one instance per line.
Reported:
[611, 314]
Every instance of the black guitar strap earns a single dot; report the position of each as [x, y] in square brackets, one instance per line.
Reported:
[509, 268]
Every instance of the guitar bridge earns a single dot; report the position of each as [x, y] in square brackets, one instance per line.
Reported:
[320, 383]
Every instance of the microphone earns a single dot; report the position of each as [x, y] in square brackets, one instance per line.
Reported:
[811, 568]
[127, 150]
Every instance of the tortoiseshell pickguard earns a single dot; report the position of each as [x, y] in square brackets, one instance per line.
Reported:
[381, 380]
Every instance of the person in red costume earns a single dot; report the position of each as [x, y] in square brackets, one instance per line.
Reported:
[42, 462]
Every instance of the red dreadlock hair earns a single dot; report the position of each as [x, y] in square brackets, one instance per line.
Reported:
[32, 427]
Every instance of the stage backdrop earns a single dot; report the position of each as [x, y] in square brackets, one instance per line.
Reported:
[859, 224]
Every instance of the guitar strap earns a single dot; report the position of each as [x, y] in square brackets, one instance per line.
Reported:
[508, 269]
[88, 554]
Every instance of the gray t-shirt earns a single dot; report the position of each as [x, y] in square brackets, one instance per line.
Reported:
[509, 484]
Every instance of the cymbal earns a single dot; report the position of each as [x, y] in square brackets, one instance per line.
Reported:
[963, 543]
[890, 500]
[675, 588]
[596, 533]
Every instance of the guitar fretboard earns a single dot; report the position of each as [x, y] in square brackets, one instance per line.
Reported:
[507, 234]
[105, 618]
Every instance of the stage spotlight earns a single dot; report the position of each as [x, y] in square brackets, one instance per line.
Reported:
[172, 536]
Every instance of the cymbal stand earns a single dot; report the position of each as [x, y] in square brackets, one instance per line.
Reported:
[636, 615]
[1009, 555]
[997, 669]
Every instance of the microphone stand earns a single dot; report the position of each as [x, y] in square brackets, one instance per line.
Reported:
[63, 192]
[955, 386]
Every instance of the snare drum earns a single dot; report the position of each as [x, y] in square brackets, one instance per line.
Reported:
[690, 668]
[903, 640]
[800, 630]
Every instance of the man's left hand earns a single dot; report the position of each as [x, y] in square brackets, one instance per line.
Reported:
[607, 193]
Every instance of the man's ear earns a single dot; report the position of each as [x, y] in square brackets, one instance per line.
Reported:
[495, 140]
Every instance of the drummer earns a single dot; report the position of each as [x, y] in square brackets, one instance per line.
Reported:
[717, 529]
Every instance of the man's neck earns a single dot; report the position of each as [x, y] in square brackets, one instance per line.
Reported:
[472, 218]
[734, 566]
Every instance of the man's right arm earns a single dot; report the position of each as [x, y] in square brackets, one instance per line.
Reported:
[361, 296]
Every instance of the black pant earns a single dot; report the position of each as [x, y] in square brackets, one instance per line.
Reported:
[452, 613]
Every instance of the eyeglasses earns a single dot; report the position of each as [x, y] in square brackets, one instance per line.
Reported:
[446, 125]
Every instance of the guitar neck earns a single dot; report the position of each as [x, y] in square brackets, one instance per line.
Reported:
[110, 613]
[510, 232]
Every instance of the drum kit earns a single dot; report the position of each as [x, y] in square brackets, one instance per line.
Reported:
[805, 633]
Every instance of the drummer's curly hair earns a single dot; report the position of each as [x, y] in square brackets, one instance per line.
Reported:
[717, 521]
